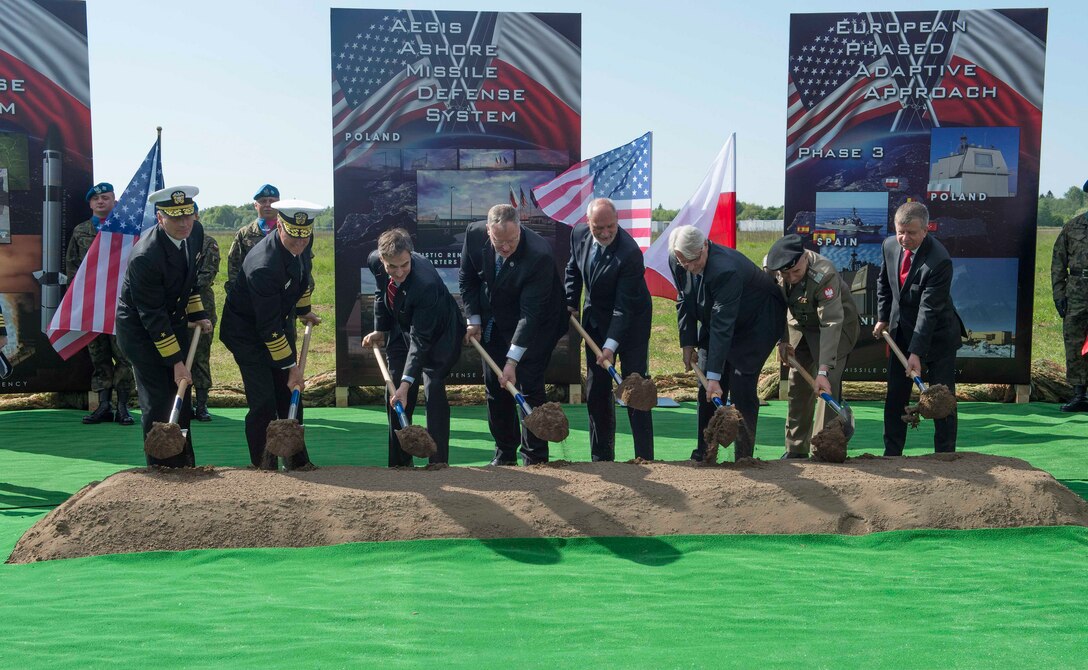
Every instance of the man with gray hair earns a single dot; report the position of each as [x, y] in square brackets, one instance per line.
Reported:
[914, 305]
[418, 322]
[616, 312]
[513, 301]
[730, 315]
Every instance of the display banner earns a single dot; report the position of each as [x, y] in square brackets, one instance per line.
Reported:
[45, 170]
[437, 116]
[942, 107]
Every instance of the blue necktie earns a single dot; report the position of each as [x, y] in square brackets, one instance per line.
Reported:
[491, 322]
[596, 257]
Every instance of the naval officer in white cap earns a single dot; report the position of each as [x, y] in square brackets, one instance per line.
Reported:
[269, 293]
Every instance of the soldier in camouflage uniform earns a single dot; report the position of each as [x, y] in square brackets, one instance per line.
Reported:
[206, 271]
[111, 369]
[1069, 279]
[821, 330]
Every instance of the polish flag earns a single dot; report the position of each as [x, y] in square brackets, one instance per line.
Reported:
[712, 209]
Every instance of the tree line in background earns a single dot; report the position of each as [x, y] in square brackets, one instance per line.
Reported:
[1053, 212]
[233, 217]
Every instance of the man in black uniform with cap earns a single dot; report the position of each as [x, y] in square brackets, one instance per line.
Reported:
[262, 302]
[159, 301]
[413, 305]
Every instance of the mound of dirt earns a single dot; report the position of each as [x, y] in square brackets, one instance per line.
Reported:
[205, 508]
[721, 430]
[164, 440]
[829, 445]
[936, 402]
[284, 438]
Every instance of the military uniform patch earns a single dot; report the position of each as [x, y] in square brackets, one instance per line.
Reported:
[829, 292]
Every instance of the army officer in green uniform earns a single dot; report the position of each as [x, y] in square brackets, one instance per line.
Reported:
[821, 330]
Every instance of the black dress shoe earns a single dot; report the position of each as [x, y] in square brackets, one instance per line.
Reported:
[502, 461]
[790, 454]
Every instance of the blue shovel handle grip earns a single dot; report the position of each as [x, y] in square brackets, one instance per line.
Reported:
[921, 385]
[296, 397]
[400, 414]
[831, 402]
[522, 404]
[615, 375]
[717, 402]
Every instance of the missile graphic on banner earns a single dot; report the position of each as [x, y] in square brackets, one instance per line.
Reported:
[50, 276]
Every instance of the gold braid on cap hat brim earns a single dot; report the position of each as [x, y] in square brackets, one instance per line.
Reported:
[171, 209]
[294, 225]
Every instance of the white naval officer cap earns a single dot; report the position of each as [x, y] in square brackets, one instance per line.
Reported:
[175, 200]
[297, 216]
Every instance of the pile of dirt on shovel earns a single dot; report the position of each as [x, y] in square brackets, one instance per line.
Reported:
[202, 508]
[548, 422]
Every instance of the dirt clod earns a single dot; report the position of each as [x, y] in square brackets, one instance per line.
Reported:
[721, 430]
[548, 422]
[936, 402]
[638, 392]
[829, 445]
[415, 440]
[284, 438]
[164, 440]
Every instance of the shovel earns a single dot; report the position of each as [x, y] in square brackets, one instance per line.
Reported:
[842, 409]
[723, 427]
[934, 403]
[550, 424]
[644, 403]
[166, 440]
[284, 437]
[413, 439]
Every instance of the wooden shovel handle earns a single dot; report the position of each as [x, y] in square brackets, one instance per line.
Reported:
[796, 365]
[494, 366]
[305, 348]
[385, 370]
[585, 336]
[894, 347]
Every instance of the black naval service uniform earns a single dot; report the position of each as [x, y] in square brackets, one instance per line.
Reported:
[262, 303]
[159, 298]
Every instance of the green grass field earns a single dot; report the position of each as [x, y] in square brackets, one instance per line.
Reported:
[664, 346]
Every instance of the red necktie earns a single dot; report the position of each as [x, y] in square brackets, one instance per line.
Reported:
[905, 268]
[390, 294]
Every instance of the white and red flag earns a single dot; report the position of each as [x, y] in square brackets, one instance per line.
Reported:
[712, 209]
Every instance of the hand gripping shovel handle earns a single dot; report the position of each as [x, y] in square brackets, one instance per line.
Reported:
[389, 385]
[903, 359]
[194, 342]
[296, 393]
[826, 397]
[702, 380]
[498, 371]
[593, 347]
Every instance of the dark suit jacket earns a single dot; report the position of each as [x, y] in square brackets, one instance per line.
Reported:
[922, 311]
[526, 300]
[270, 291]
[617, 302]
[737, 313]
[158, 296]
[423, 313]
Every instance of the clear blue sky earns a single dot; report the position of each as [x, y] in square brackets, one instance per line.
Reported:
[242, 88]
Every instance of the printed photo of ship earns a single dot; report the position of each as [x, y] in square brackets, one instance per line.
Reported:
[844, 219]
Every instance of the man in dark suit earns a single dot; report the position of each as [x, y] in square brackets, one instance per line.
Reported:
[513, 300]
[159, 300]
[264, 299]
[616, 312]
[425, 332]
[914, 304]
[730, 314]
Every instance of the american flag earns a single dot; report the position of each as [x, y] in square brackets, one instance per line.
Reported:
[623, 175]
[90, 305]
